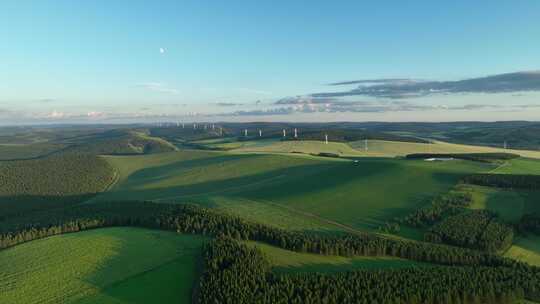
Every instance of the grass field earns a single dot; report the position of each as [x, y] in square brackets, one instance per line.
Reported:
[526, 249]
[360, 195]
[520, 166]
[286, 261]
[113, 265]
[510, 205]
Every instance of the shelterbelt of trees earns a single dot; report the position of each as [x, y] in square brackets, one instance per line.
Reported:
[483, 157]
[522, 181]
[194, 219]
[478, 229]
[235, 273]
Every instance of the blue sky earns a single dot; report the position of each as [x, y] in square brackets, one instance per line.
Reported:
[66, 61]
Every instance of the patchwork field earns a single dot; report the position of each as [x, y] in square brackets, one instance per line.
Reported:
[360, 195]
[112, 265]
[286, 261]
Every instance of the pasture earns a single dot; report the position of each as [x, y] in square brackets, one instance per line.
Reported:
[336, 192]
[112, 265]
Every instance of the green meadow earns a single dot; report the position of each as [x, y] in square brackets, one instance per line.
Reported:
[111, 265]
[323, 191]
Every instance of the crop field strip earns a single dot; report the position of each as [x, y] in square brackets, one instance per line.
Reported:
[167, 176]
[98, 266]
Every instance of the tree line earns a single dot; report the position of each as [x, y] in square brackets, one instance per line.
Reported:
[443, 205]
[523, 181]
[481, 157]
[235, 273]
[198, 220]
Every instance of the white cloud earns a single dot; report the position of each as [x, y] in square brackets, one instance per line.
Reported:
[95, 114]
[158, 87]
[56, 115]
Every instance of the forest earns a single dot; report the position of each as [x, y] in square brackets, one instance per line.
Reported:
[235, 273]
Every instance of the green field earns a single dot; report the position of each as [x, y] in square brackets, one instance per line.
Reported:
[510, 205]
[335, 191]
[286, 261]
[112, 265]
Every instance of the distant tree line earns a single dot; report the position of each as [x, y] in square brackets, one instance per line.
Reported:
[523, 181]
[348, 135]
[476, 229]
[482, 157]
[235, 273]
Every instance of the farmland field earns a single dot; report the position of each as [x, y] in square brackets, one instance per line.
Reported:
[510, 205]
[286, 261]
[360, 195]
[112, 265]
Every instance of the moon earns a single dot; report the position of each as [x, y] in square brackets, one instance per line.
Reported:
[161, 50]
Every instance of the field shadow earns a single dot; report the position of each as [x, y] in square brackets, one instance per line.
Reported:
[188, 192]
